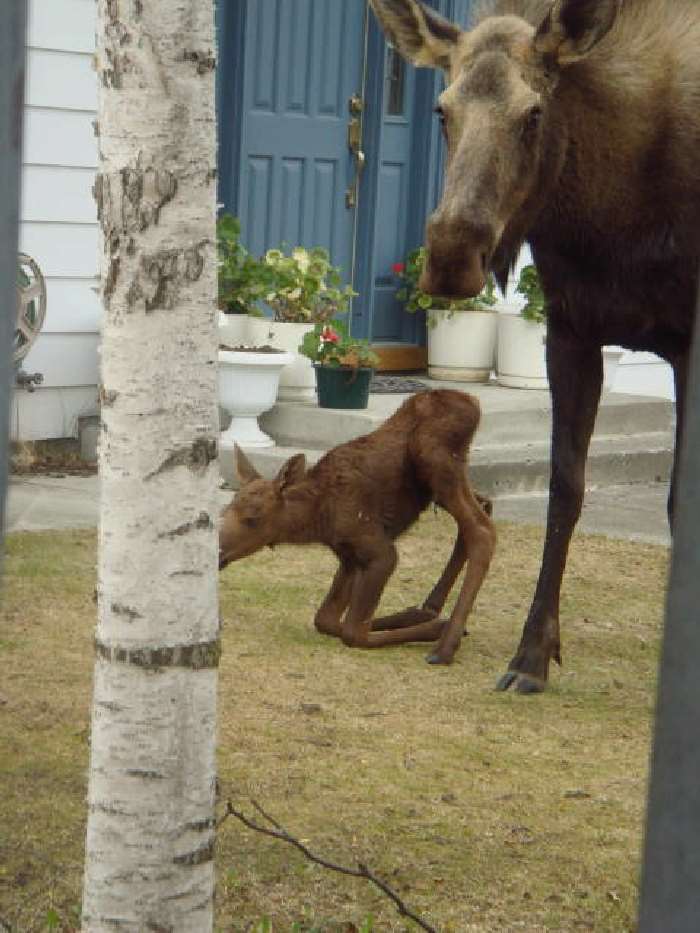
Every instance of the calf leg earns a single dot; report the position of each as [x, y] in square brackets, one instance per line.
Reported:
[432, 607]
[368, 585]
[328, 619]
[476, 542]
[575, 378]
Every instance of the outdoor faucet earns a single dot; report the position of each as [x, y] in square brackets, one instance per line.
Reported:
[28, 381]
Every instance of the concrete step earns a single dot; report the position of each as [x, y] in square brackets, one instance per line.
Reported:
[519, 417]
[632, 443]
[502, 470]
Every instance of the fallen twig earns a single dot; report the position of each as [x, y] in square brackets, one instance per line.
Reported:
[362, 871]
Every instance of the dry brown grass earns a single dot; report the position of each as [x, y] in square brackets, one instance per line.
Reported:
[486, 811]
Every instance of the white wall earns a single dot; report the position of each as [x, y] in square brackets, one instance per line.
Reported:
[58, 219]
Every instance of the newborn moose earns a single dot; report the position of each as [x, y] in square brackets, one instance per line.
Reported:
[357, 500]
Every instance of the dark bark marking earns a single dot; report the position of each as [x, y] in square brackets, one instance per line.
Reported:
[186, 573]
[143, 773]
[197, 457]
[107, 397]
[200, 825]
[203, 854]
[120, 610]
[205, 61]
[109, 706]
[200, 656]
[202, 523]
[162, 273]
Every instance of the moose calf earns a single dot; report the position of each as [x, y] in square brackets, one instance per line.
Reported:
[357, 500]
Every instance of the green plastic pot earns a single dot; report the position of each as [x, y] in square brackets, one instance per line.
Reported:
[342, 387]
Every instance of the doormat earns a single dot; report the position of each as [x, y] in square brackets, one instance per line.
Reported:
[387, 384]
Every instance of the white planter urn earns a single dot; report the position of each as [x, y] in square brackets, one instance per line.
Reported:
[297, 382]
[462, 347]
[521, 359]
[233, 329]
[248, 381]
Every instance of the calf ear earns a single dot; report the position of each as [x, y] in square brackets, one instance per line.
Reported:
[245, 469]
[292, 472]
[420, 34]
[572, 28]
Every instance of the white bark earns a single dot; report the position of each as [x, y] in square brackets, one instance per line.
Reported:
[150, 835]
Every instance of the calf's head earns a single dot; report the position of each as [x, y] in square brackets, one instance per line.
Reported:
[505, 137]
[256, 517]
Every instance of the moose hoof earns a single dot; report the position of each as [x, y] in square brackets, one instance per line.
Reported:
[522, 683]
[436, 658]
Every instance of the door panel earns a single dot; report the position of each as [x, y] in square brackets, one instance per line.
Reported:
[304, 59]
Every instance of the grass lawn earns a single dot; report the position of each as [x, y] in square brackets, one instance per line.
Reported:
[485, 811]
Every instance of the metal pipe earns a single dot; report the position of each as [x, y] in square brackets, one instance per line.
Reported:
[12, 68]
[670, 897]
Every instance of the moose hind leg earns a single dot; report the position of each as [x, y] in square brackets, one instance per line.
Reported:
[476, 542]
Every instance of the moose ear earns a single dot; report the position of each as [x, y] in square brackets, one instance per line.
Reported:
[245, 469]
[572, 28]
[420, 34]
[292, 472]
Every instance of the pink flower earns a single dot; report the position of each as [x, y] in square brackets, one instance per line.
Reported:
[328, 335]
[398, 268]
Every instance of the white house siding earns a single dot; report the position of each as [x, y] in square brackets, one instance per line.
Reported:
[58, 220]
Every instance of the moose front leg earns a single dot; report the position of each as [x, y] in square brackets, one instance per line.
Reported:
[361, 630]
[575, 379]
[328, 619]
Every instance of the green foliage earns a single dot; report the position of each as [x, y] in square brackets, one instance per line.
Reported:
[417, 300]
[529, 286]
[243, 279]
[307, 288]
[333, 346]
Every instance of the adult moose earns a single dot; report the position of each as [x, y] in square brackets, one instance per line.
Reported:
[573, 126]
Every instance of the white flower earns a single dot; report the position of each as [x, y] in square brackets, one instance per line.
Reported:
[301, 257]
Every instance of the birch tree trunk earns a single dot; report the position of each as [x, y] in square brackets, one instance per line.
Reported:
[150, 834]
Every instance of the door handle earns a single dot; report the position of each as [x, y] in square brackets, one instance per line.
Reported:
[355, 146]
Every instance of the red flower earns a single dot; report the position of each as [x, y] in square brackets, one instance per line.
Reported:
[398, 268]
[328, 335]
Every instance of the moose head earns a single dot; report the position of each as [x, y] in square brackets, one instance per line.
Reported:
[504, 117]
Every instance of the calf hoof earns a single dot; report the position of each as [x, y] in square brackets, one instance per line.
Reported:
[436, 658]
[522, 683]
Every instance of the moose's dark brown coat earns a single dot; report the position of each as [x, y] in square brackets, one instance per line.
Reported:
[573, 125]
[357, 500]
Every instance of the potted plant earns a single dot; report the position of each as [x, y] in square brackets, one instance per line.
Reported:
[306, 290]
[343, 365]
[461, 332]
[242, 279]
[521, 337]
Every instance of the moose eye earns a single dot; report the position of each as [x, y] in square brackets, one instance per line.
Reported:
[250, 522]
[442, 118]
[532, 119]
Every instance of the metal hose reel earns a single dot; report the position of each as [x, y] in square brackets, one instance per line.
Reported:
[31, 311]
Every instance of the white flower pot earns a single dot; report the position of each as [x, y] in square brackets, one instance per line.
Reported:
[461, 348]
[521, 353]
[297, 382]
[248, 383]
[233, 329]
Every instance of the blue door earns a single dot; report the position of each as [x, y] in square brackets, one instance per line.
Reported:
[325, 141]
[292, 177]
